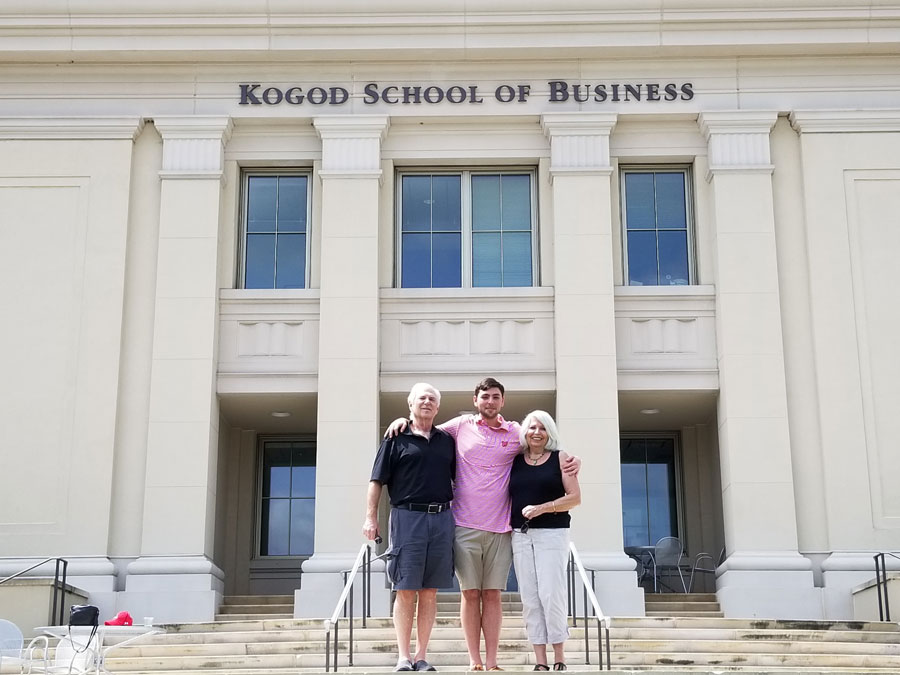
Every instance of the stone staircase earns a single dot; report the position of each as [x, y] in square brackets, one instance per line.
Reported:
[682, 604]
[286, 646]
[256, 607]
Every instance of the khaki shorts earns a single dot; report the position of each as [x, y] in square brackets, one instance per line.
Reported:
[482, 559]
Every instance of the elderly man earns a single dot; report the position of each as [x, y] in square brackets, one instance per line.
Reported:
[418, 466]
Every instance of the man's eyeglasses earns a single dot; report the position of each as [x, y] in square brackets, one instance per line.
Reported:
[524, 527]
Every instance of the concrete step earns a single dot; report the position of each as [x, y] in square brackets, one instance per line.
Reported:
[257, 609]
[259, 600]
[684, 613]
[682, 606]
[680, 597]
[254, 616]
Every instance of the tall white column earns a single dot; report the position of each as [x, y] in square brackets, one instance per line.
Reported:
[587, 393]
[347, 429]
[764, 574]
[175, 574]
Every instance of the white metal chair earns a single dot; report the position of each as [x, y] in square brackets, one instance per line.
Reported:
[14, 654]
[667, 556]
[77, 652]
[705, 564]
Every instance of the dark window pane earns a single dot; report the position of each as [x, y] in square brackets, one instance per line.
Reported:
[277, 470]
[446, 210]
[303, 521]
[516, 259]
[275, 527]
[291, 261]
[670, 209]
[673, 258]
[303, 481]
[447, 261]
[486, 203]
[640, 207]
[260, 265]
[642, 258]
[416, 261]
[648, 490]
[303, 455]
[416, 204]
[261, 201]
[292, 204]
[486, 260]
[516, 203]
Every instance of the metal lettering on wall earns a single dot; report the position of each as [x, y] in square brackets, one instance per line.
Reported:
[558, 91]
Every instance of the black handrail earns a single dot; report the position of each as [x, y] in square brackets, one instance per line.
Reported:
[59, 603]
[884, 608]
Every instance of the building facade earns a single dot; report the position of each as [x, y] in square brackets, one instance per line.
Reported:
[234, 234]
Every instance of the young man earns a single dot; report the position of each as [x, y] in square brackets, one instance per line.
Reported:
[418, 466]
[486, 445]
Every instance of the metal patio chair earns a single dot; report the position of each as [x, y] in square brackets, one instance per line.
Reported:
[13, 650]
[668, 555]
[704, 563]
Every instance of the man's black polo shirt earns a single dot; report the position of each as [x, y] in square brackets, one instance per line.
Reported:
[417, 470]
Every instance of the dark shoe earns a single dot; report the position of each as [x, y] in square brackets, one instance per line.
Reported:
[559, 665]
[423, 665]
[403, 665]
[542, 667]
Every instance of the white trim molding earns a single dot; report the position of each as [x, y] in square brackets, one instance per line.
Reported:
[738, 140]
[845, 121]
[579, 142]
[351, 145]
[193, 147]
[70, 128]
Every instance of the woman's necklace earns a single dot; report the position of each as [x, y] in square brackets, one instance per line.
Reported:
[535, 460]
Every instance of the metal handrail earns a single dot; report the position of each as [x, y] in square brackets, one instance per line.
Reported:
[56, 613]
[603, 621]
[884, 608]
[363, 560]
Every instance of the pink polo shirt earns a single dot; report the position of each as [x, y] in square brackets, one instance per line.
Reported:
[484, 458]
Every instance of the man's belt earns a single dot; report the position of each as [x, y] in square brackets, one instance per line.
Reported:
[434, 507]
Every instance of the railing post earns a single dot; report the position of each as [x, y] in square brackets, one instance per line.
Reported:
[337, 625]
[608, 657]
[344, 575]
[600, 642]
[350, 646]
[877, 558]
[587, 646]
[54, 612]
[327, 650]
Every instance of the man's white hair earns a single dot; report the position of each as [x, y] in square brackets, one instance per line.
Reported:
[544, 418]
[419, 386]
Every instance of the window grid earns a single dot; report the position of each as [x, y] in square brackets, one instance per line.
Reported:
[286, 504]
[467, 232]
[282, 273]
[634, 264]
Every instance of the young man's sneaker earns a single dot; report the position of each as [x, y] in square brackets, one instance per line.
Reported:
[423, 665]
[403, 665]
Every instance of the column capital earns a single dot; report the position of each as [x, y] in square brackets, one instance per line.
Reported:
[351, 145]
[844, 121]
[738, 140]
[70, 128]
[193, 147]
[579, 142]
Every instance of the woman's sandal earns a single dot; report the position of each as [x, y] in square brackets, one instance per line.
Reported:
[559, 665]
[542, 667]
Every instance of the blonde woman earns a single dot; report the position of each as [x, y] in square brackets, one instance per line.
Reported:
[542, 496]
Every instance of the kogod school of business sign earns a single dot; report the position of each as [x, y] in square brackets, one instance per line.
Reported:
[558, 91]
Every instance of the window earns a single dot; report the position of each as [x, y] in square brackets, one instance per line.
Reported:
[649, 483]
[276, 213]
[288, 497]
[466, 228]
[656, 219]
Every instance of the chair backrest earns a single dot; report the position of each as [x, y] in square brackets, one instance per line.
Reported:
[77, 652]
[722, 557]
[11, 641]
[668, 551]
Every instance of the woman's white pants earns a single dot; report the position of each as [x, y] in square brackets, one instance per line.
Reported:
[540, 556]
